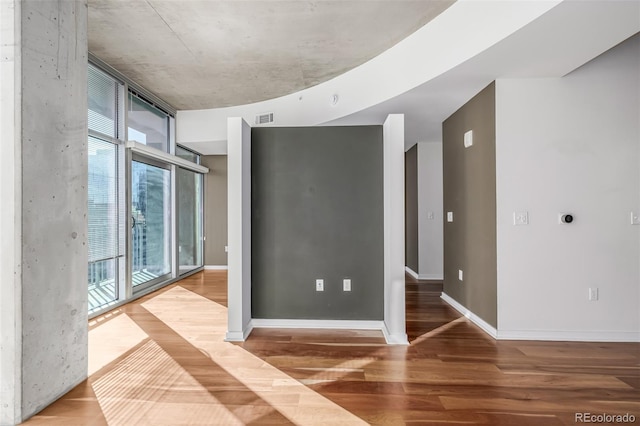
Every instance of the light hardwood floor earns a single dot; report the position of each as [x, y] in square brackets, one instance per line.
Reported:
[161, 360]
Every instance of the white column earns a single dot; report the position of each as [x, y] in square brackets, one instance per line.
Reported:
[239, 229]
[394, 267]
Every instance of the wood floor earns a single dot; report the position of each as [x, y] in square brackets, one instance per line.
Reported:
[162, 360]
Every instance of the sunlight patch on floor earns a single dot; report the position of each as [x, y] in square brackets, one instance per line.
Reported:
[203, 323]
[148, 387]
[437, 331]
[112, 339]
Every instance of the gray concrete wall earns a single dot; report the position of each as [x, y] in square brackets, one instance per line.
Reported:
[317, 203]
[411, 208]
[470, 193]
[10, 215]
[215, 210]
[54, 200]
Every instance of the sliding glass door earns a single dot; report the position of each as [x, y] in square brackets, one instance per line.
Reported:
[151, 224]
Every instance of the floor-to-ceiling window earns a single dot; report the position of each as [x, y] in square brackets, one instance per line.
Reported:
[145, 203]
[106, 208]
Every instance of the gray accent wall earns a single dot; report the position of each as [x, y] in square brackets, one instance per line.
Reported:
[470, 193]
[215, 210]
[411, 208]
[317, 213]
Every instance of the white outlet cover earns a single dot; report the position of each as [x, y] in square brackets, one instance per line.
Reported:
[449, 216]
[460, 275]
[521, 218]
[319, 285]
[430, 215]
[635, 218]
[346, 284]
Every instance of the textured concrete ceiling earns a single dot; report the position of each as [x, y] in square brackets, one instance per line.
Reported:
[198, 54]
[204, 54]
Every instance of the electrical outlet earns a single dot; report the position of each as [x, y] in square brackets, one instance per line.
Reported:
[593, 294]
[520, 218]
[319, 285]
[346, 284]
[430, 215]
[635, 218]
[460, 275]
[449, 216]
[226, 249]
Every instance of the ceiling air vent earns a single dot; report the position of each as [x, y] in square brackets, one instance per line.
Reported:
[264, 118]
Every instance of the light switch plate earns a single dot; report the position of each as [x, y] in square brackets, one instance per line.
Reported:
[319, 285]
[449, 216]
[468, 139]
[521, 218]
[460, 275]
[635, 218]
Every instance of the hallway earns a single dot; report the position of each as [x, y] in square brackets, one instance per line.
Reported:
[161, 360]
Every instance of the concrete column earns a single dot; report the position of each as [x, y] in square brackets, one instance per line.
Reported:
[44, 204]
[10, 217]
[239, 229]
[393, 165]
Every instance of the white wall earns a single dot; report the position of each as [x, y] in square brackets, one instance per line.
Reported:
[570, 145]
[430, 216]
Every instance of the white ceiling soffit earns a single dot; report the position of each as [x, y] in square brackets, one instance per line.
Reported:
[437, 69]
[213, 53]
[562, 40]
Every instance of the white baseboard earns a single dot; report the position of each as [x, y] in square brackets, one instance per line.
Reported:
[216, 267]
[239, 336]
[570, 336]
[411, 272]
[417, 276]
[394, 339]
[434, 277]
[331, 325]
[545, 335]
[485, 326]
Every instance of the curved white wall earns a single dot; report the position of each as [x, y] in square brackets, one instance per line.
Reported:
[463, 31]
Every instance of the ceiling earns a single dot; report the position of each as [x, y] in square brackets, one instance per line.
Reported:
[217, 59]
[199, 54]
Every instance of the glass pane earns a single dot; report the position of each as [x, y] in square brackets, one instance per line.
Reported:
[103, 223]
[147, 124]
[189, 220]
[187, 155]
[151, 214]
[102, 94]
